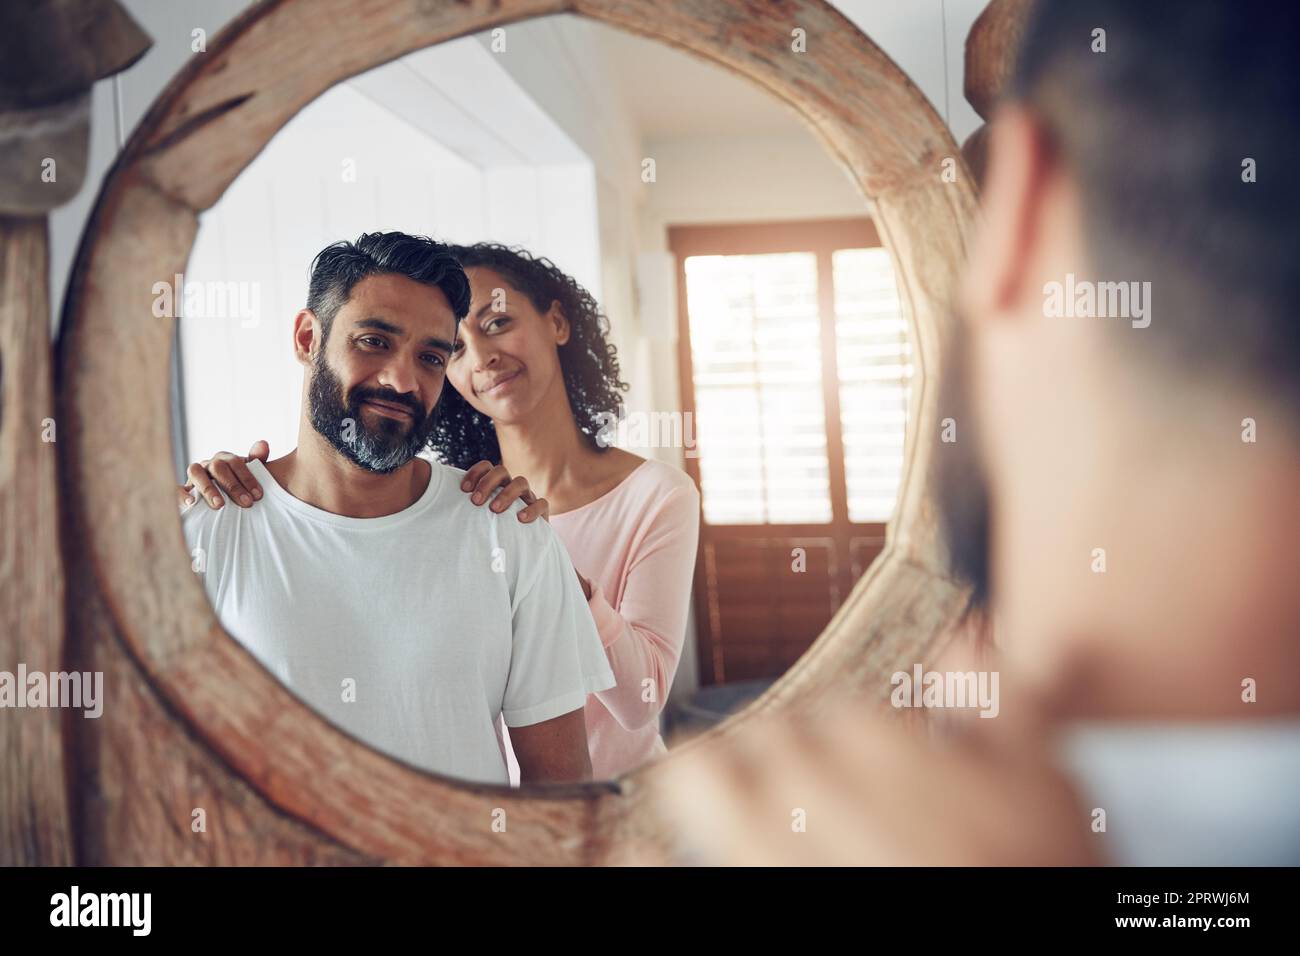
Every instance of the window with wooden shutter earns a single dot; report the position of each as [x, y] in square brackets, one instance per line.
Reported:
[796, 367]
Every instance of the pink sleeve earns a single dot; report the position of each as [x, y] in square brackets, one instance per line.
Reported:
[643, 638]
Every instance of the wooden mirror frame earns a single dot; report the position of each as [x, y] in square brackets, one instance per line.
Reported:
[121, 521]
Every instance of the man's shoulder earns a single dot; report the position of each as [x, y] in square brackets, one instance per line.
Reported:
[200, 517]
[455, 504]
[449, 472]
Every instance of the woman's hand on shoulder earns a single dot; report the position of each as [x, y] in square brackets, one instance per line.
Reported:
[224, 471]
[484, 478]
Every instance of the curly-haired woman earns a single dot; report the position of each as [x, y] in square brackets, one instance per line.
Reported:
[536, 388]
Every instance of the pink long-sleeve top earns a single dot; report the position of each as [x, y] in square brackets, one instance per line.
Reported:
[636, 544]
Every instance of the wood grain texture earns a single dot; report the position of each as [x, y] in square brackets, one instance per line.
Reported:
[208, 125]
[139, 775]
[54, 137]
[35, 828]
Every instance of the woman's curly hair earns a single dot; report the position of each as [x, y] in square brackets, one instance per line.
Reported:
[589, 364]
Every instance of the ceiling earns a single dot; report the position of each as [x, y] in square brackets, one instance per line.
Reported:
[671, 94]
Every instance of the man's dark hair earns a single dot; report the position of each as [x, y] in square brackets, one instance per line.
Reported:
[588, 361]
[1156, 131]
[340, 266]
[1159, 131]
[958, 476]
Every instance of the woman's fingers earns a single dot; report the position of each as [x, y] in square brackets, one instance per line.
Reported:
[514, 489]
[517, 490]
[491, 480]
[226, 472]
[475, 472]
[204, 486]
[483, 478]
[537, 508]
[233, 474]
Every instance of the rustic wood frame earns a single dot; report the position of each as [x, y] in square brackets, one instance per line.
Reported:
[191, 704]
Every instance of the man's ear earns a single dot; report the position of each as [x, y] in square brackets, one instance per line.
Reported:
[306, 335]
[560, 323]
[1020, 162]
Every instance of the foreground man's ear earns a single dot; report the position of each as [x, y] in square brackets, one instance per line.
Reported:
[1021, 162]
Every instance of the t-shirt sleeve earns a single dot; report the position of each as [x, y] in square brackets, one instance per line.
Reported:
[207, 534]
[556, 655]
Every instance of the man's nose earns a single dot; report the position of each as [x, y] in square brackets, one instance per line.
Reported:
[400, 373]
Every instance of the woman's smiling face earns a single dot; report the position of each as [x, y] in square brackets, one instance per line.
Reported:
[505, 359]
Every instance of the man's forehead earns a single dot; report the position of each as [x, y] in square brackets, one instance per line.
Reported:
[407, 308]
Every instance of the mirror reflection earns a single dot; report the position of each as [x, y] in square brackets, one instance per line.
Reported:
[540, 396]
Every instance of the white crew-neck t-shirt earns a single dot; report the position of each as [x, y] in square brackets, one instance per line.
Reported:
[438, 619]
[1191, 794]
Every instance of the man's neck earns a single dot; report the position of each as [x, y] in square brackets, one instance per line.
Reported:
[1202, 624]
[317, 474]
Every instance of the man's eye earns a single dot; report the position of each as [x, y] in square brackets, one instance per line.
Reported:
[434, 359]
[372, 341]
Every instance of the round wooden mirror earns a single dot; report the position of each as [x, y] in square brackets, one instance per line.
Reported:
[337, 793]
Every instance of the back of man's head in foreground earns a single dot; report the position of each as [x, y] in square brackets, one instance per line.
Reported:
[1131, 353]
